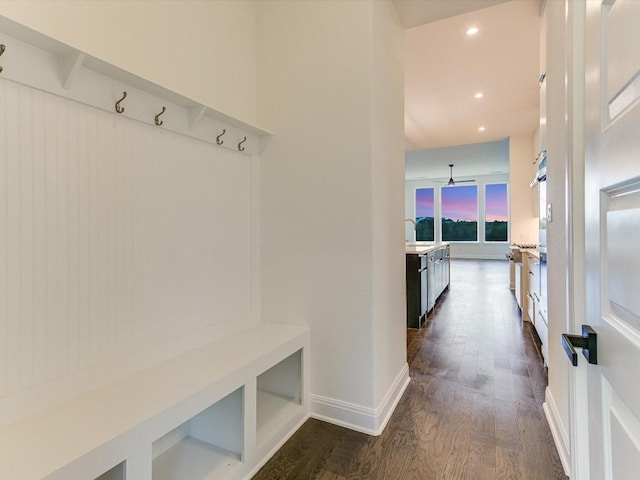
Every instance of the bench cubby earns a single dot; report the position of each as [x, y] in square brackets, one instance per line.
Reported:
[209, 445]
[217, 412]
[279, 396]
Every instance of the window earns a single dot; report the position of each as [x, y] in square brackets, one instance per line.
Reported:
[496, 209]
[424, 214]
[460, 213]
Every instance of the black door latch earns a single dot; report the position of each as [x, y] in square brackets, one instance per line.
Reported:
[588, 342]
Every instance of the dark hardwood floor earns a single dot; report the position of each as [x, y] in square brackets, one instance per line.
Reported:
[473, 409]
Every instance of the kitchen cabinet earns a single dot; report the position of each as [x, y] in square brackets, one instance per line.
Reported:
[427, 276]
[431, 291]
[533, 285]
[536, 297]
[417, 281]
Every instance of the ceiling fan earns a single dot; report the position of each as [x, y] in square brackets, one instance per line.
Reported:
[451, 181]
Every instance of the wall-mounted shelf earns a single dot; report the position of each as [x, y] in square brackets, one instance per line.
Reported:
[43, 63]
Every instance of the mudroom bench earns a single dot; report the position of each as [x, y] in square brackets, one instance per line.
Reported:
[219, 411]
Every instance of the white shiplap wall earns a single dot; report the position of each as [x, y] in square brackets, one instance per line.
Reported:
[120, 245]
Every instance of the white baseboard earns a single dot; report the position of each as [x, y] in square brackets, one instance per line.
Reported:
[367, 420]
[559, 433]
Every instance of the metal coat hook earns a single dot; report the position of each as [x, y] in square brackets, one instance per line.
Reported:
[2, 49]
[158, 121]
[218, 141]
[240, 147]
[120, 108]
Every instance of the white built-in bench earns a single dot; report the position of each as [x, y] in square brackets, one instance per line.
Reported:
[216, 412]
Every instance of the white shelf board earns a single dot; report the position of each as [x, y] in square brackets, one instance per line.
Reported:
[273, 412]
[46, 64]
[192, 459]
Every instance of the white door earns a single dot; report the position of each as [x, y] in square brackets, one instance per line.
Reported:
[612, 190]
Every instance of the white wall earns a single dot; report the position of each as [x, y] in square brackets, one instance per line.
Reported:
[125, 245]
[330, 77]
[522, 198]
[200, 49]
[387, 180]
[131, 244]
[329, 74]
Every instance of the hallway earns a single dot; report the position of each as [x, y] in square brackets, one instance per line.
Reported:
[473, 409]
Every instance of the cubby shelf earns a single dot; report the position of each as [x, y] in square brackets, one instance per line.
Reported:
[193, 459]
[215, 412]
[209, 445]
[274, 411]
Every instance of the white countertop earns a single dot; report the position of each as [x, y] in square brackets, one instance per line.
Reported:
[421, 248]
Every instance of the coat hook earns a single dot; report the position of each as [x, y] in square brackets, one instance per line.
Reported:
[240, 147]
[120, 108]
[3, 47]
[218, 141]
[158, 121]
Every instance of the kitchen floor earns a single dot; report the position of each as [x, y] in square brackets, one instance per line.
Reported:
[473, 409]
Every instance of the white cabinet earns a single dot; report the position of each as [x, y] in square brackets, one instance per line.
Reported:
[536, 297]
[533, 285]
[438, 265]
[518, 284]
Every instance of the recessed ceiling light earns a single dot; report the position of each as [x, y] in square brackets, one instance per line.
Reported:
[472, 31]
[481, 129]
[479, 95]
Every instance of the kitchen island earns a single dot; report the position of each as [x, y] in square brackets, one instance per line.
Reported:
[427, 276]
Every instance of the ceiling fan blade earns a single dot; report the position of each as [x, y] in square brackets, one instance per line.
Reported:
[464, 181]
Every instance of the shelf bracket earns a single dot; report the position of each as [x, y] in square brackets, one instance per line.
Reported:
[195, 115]
[69, 67]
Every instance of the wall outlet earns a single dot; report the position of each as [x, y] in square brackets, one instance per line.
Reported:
[549, 213]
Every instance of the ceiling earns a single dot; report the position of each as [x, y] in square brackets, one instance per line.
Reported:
[445, 68]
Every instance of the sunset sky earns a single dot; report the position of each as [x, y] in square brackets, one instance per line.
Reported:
[460, 203]
[424, 202]
[496, 204]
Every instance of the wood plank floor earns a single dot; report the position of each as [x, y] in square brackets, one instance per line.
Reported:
[473, 409]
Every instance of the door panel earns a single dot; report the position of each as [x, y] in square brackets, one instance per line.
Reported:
[622, 227]
[622, 64]
[621, 436]
[612, 207]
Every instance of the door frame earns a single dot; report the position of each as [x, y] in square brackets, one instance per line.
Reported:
[576, 281]
[569, 16]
